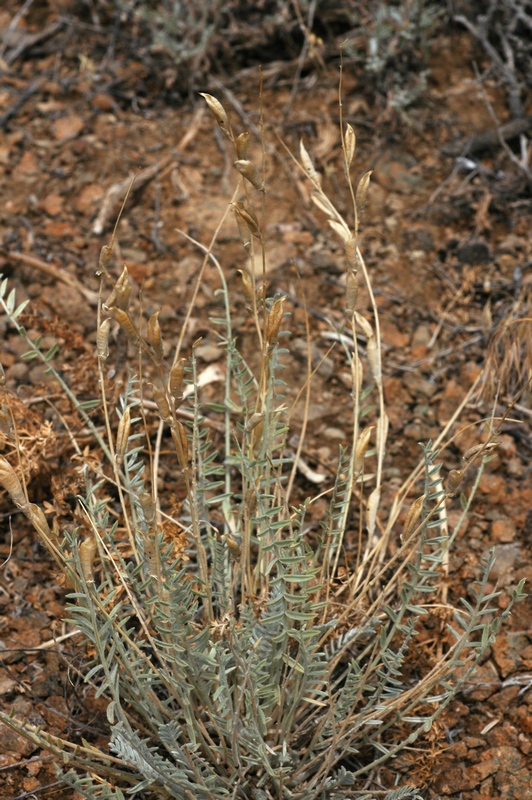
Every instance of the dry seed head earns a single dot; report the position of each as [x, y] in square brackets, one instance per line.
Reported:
[412, 517]
[12, 485]
[249, 171]
[249, 217]
[176, 383]
[351, 292]
[350, 145]
[87, 553]
[122, 436]
[102, 339]
[155, 336]
[123, 290]
[218, 112]
[241, 145]
[360, 449]
[161, 402]
[6, 425]
[233, 547]
[106, 253]
[179, 435]
[454, 479]
[248, 286]
[362, 192]
[274, 321]
[127, 324]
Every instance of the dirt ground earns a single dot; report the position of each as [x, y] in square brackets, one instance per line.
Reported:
[448, 245]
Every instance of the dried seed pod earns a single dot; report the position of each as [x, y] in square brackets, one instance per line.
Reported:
[243, 231]
[6, 423]
[102, 339]
[454, 479]
[218, 112]
[148, 507]
[122, 436]
[362, 192]
[350, 145]
[161, 401]
[38, 520]
[479, 448]
[176, 383]
[351, 252]
[373, 359]
[155, 337]
[314, 176]
[360, 449]
[250, 500]
[12, 485]
[371, 510]
[249, 217]
[248, 286]
[232, 545]
[274, 321]
[87, 553]
[110, 302]
[106, 253]
[412, 517]
[249, 171]
[351, 292]
[123, 290]
[253, 421]
[257, 436]
[241, 145]
[179, 435]
[127, 325]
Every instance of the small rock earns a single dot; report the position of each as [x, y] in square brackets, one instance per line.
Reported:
[503, 530]
[209, 353]
[505, 557]
[475, 253]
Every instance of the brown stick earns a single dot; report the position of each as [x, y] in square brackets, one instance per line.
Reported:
[55, 272]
